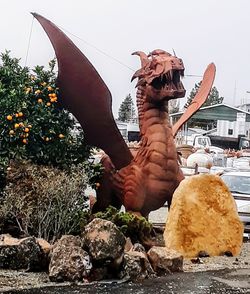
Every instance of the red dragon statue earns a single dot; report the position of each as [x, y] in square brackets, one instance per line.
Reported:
[145, 182]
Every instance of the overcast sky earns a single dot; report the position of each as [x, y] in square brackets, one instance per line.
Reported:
[199, 31]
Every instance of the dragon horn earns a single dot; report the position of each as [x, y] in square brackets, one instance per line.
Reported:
[200, 97]
[143, 57]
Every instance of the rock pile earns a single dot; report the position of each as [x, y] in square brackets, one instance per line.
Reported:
[102, 252]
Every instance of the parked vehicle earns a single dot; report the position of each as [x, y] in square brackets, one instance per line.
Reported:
[237, 143]
[238, 183]
[195, 140]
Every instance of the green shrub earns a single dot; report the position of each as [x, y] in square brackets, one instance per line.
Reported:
[135, 227]
[44, 201]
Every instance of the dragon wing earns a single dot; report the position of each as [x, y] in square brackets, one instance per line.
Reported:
[84, 93]
[199, 99]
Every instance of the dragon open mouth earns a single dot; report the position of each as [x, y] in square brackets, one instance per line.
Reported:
[161, 74]
[169, 82]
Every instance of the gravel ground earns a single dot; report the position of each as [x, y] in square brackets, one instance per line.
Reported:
[10, 280]
[220, 262]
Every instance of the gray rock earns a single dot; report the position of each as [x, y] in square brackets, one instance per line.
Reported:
[69, 240]
[21, 254]
[104, 241]
[138, 247]
[165, 260]
[69, 262]
[98, 274]
[136, 267]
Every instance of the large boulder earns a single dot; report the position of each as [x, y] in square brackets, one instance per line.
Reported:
[69, 262]
[23, 253]
[203, 217]
[104, 241]
[165, 260]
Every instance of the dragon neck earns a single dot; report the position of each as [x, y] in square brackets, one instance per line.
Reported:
[150, 114]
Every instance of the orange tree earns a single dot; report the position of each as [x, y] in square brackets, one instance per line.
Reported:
[32, 125]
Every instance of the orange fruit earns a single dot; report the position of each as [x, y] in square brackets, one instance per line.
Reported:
[9, 117]
[53, 95]
[97, 185]
[40, 100]
[21, 124]
[16, 115]
[47, 139]
[48, 104]
[27, 90]
[20, 114]
[44, 84]
[24, 141]
[37, 91]
[26, 130]
[16, 126]
[11, 132]
[61, 136]
[53, 99]
[30, 126]
[50, 88]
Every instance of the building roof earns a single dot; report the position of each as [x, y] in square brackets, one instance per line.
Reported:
[216, 112]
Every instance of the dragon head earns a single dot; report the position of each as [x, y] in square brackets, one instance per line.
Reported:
[161, 75]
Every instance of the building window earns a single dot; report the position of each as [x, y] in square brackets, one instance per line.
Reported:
[230, 131]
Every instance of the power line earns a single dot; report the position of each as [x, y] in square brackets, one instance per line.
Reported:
[93, 46]
[195, 76]
[109, 56]
[28, 48]
[99, 50]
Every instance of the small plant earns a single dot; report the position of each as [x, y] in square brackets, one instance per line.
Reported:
[135, 227]
[44, 201]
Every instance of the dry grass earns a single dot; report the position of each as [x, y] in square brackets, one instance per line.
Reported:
[44, 201]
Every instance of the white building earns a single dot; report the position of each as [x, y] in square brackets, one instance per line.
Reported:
[229, 123]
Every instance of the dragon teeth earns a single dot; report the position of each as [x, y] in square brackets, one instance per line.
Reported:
[171, 74]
